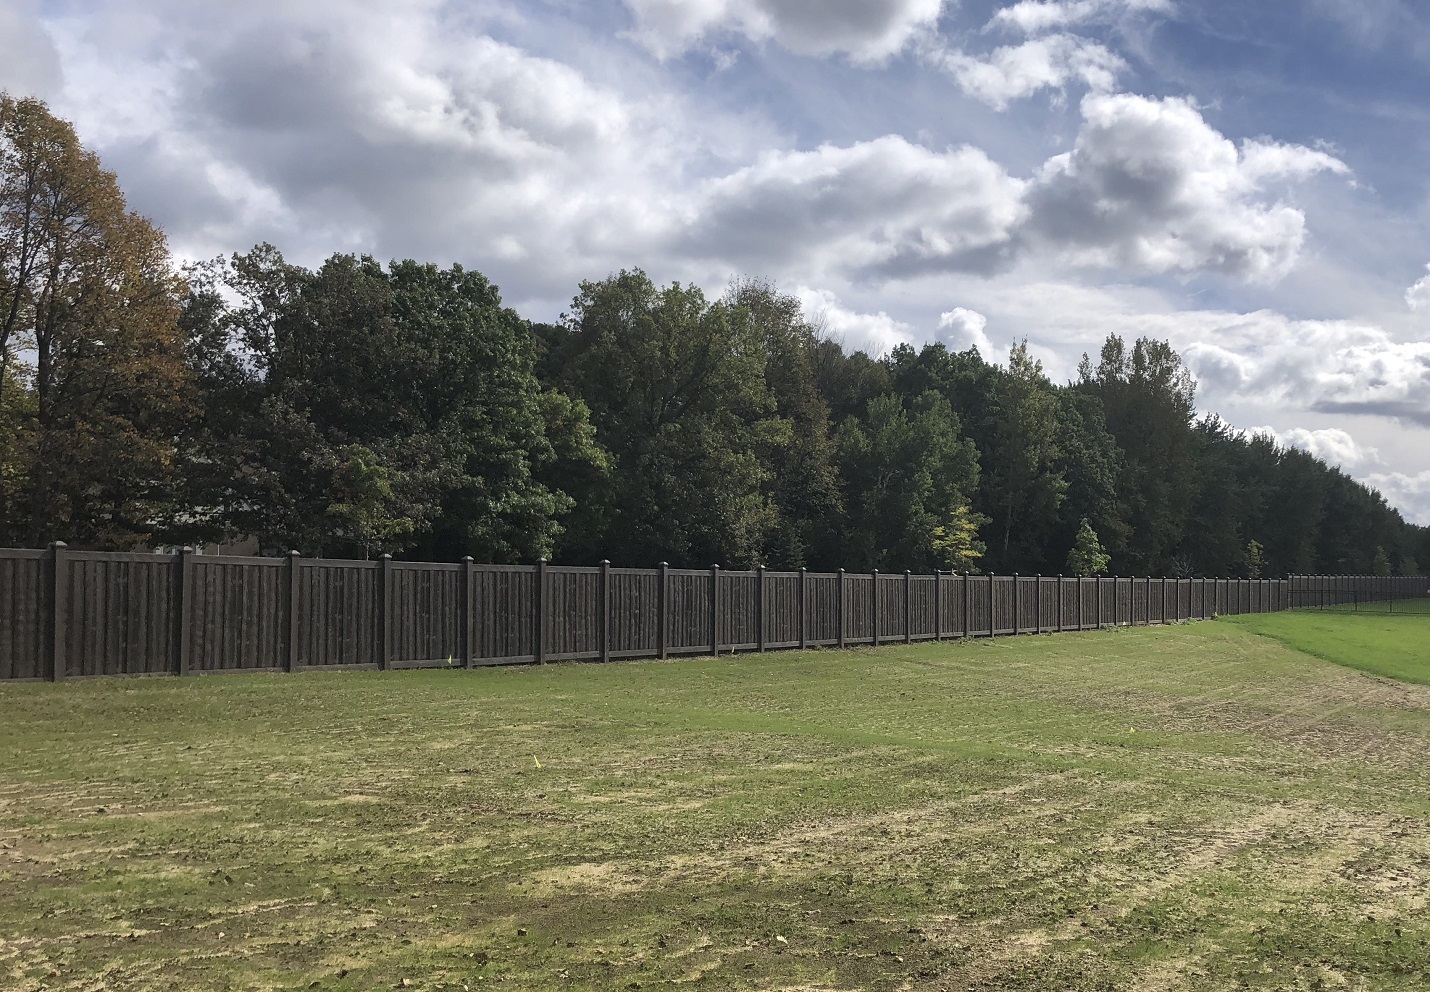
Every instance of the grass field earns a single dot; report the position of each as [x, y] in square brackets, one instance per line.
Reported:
[1192, 807]
[1394, 645]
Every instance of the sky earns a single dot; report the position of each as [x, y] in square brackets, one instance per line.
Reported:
[1242, 178]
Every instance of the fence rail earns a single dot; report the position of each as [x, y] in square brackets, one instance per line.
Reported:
[67, 614]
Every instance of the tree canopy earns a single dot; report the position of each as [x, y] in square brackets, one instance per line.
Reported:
[358, 408]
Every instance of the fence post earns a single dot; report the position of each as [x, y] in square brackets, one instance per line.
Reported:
[1116, 602]
[1017, 605]
[803, 631]
[1038, 603]
[662, 610]
[1078, 580]
[1060, 603]
[760, 608]
[908, 607]
[294, 598]
[59, 607]
[839, 586]
[605, 593]
[182, 609]
[715, 610]
[468, 609]
[540, 611]
[876, 607]
[992, 614]
[938, 604]
[384, 611]
[967, 607]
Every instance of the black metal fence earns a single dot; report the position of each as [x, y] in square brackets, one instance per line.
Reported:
[1361, 594]
[70, 613]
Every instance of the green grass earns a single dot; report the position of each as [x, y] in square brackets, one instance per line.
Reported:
[1192, 807]
[1395, 645]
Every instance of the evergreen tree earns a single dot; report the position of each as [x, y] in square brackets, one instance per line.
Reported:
[1255, 560]
[1087, 556]
[1380, 564]
[956, 544]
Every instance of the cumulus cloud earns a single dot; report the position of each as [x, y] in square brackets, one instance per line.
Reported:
[873, 333]
[865, 30]
[1409, 493]
[883, 207]
[961, 329]
[1332, 445]
[1418, 295]
[1151, 185]
[1017, 71]
[1036, 16]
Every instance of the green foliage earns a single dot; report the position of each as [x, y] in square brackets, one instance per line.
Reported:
[1408, 566]
[906, 471]
[364, 506]
[1087, 556]
[956, 542]
[1380, 564]
[1254, 560]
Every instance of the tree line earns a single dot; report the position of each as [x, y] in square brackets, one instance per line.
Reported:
[358, 408]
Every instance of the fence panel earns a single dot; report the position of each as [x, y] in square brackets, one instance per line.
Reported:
[688, 624]
[238, 610]
[821, 607]
[858, 608]
[503, 614]
[891, 607]
[923, 616]
[425, 614]
[635, 613]
[781, 613]
[119, 614]
[337, 607]
[24, 605]
[571, 613]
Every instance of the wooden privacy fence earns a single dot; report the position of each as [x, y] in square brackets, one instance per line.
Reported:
[70, 613]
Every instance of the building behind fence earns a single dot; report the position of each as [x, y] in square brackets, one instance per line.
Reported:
[70, 613]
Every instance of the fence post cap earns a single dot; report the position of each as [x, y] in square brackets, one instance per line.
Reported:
[294, 554]
[873, 571]
[382, 557]
[841, 571]
[907, 572]
[468, 560]
[60, 545]
[715, 567]
[664, 564]
[606, 562]
[802, 568]
[187, 549]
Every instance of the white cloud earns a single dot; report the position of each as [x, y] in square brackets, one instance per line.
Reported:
[881, 207]
[1036, 16]
[874, 333]
[1017, 71]
[1152, 186]
[1410, 494]
[1331, 444]
[865, 30]
[1418, 295]
[961, 329]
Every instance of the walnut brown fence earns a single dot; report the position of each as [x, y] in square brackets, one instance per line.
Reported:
[69, 614]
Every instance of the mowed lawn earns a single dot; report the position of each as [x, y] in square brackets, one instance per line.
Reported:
[1395, 645]
[1191, 807]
